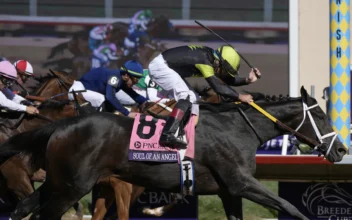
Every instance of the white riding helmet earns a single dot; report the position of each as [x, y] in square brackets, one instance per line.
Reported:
[24, 67]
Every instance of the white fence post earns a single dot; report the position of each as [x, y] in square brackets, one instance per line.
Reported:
[108, 8]
[268, 10]
[33, 7]
[186, 9]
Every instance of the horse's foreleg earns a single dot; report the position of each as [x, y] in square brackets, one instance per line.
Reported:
[123, 192]
[17, 179]
[104, 201]
[257, 192]
[25, 206]
[233, 210]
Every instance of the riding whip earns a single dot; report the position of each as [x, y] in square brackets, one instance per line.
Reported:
[245, 60]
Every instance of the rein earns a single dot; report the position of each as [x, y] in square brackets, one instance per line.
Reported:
[318, 146]
[43, 117]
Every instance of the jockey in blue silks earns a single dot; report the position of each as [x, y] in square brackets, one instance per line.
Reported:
[102, 84]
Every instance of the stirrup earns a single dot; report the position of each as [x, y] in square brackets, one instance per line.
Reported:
[171, 141]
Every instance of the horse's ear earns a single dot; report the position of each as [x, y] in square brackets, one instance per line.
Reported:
[304, 94]
[52, 72]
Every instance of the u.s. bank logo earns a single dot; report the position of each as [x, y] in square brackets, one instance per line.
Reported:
[328, 201]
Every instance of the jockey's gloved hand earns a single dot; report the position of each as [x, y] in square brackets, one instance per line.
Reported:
[22, 93]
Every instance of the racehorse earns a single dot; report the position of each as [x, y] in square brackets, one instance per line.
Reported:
[54, 86]
[78, 45]
[146, 52]
[20, 171]
[224, 162]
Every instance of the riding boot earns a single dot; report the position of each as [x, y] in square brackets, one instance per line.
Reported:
[170, 135]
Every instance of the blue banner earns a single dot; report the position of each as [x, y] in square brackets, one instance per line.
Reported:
[187, 209]
[318, 201]
[274, 146]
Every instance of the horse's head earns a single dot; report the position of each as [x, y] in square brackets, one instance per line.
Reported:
[160, 25]
[314, 124]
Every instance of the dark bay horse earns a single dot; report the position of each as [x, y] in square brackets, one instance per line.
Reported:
[20, 171]
[83, 150]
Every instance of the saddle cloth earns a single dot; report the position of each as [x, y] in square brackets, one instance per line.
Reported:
[144, 141]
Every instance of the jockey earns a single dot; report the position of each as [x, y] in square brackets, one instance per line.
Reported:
[8, 99]
[24, 70]
[146, 88]
[218, 67]
[103, 55]
[99, 35]
[140, 20]
[102, 83]
[131, 42]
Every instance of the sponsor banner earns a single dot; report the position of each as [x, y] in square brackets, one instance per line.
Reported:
[274, 146]
[187, 209]
[318, 201]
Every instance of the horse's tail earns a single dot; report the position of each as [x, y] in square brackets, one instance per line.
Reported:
[58, 49]
[30, 142]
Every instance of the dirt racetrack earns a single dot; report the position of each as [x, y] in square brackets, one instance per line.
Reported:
[272, 60]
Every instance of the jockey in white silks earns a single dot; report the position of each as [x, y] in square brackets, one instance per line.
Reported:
[140, 20]
[136, 30]
[146, 88]
[103, 55]
[98, 35]
[9, 100]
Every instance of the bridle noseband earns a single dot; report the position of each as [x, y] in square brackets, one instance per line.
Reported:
[321, 148]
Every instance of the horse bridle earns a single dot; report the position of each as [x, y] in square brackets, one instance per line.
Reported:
[321, 148]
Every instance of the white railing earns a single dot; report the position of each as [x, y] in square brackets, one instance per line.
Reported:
[182, 23]
[185, 5]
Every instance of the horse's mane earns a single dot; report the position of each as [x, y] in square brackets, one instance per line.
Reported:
[257, 97]
[43, 79]
[53, 104]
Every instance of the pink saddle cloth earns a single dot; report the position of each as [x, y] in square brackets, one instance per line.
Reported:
[144, 142]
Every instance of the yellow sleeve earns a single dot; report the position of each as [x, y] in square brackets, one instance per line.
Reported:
[205, 69]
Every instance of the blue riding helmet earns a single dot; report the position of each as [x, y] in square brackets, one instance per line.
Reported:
[133, 68]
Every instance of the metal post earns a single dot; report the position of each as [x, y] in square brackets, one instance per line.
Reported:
[33, 7]
[312, 91]
[186, 9]
[340, 85]
[293, 48]
[268, 10]
[108, 8]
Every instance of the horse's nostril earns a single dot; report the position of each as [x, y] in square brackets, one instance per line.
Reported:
[342, 150]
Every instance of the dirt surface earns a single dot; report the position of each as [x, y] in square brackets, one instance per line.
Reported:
[272, 60]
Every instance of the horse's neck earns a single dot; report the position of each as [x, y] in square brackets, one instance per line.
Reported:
[287, 113]
[52, 114]
[231, 127]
